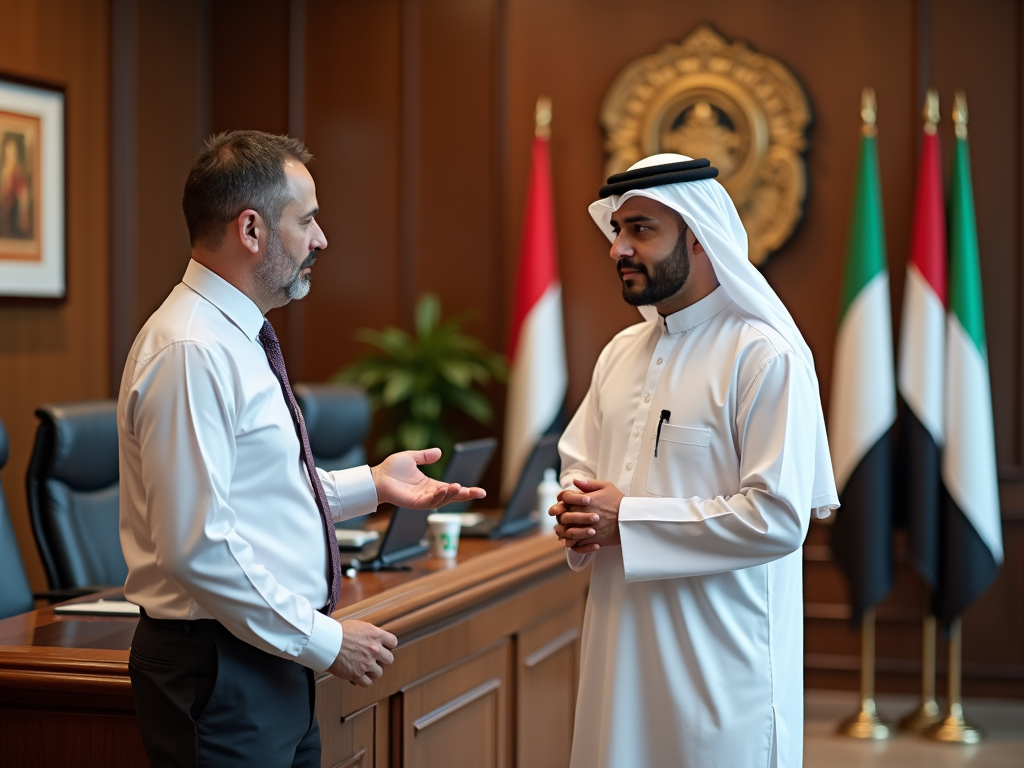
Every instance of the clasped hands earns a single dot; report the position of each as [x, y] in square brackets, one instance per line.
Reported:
[366, 649]
[588, 518]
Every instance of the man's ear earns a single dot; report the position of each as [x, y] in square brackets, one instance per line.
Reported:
[695, 246]
[250, 229]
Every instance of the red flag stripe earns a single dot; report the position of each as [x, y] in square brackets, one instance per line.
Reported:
[928, 239]
[538, 255]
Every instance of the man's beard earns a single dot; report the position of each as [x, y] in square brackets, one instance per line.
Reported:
[663, 281]
[278, 272]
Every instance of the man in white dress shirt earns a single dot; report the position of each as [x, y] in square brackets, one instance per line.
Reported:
[226, 525]
[691, 470]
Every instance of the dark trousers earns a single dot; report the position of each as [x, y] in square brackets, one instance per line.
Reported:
[205, 698]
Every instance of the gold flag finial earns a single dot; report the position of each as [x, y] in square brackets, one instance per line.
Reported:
[868, 112]
[931, 110]
[960, 114]
[542, 118]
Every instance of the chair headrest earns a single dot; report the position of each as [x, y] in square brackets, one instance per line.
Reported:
[337, 417]
[4, 446]
[84, 440]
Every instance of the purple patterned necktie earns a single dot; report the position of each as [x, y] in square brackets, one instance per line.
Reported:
[273, 349]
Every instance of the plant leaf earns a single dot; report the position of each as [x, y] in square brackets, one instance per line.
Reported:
[459, 373]
[426, 406]
[428, 313]
[413, 435]
[399, 386]
[472, 402]
[393, 341]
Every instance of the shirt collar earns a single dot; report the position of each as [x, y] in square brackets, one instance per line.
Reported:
[235, 305]
[697, 313]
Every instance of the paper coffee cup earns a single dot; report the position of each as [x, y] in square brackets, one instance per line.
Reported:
[444, 534]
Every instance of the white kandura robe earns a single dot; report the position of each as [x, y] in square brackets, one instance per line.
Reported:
[693, 639]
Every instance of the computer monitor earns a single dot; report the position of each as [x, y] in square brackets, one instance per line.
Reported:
[521, 503]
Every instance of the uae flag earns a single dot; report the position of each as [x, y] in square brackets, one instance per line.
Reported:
[971, 539]
[922, 367]
[863, 405]
[538, 378]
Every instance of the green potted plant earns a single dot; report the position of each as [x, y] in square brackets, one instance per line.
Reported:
[419, 381]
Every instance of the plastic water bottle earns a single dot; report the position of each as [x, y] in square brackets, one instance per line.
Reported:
[547, 496]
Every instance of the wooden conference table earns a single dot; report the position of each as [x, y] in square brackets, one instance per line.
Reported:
[485, 673]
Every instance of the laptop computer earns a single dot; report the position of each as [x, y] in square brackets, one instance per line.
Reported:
[404, 536]
[516, 517]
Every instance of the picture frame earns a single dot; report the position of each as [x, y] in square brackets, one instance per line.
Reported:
[33, 226]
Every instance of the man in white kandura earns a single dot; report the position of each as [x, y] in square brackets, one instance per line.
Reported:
[691, 470]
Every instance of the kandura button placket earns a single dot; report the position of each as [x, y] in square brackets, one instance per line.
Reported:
[662, 351]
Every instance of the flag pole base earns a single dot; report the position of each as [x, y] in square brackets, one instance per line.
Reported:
[953, 729]
[866, 724]
[921, 719]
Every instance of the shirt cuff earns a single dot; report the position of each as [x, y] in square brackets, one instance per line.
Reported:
[324, 643]
[351, 492]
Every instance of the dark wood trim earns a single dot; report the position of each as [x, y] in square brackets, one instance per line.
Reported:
[499, 162]
[409, 165]
[124, 235]
[296, 127]
[204, 73]
[1015, 472]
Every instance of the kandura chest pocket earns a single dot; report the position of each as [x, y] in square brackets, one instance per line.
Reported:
[683, 460]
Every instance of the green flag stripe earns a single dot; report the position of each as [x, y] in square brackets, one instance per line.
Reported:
[964, 266]
[865, 253]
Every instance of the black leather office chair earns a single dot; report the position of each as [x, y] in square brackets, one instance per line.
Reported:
[15, 594]
[337, 419]
[73, 495]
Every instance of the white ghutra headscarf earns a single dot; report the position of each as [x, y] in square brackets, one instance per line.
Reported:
[708, 210]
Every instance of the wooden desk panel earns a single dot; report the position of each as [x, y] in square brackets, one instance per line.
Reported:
[65, 696]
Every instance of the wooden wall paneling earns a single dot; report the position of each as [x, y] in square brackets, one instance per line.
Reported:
[124, 182]
[168, 99]
[458, 716]
[295, 311]
[834, 48]
[353, 127]
[547, 672]
[61, 351]
[990, 75]
[249, 79]
[456, 154]
[980, 50]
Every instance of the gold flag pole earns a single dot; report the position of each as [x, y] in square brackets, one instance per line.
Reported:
[865, 723]
[542, 118]
[927, 712]
[953, 728]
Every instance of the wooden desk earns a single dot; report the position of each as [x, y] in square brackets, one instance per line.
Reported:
[485, 673]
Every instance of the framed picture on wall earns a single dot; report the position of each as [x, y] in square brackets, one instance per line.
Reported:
[32, 197]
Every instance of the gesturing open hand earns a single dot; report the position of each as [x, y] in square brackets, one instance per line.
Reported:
[399, 481]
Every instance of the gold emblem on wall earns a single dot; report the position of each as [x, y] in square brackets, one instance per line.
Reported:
[744, 111]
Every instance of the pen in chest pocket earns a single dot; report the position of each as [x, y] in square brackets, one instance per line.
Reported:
[665, 415]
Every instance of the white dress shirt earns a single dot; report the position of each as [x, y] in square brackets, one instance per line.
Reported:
[218, 517]
[692, 644]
